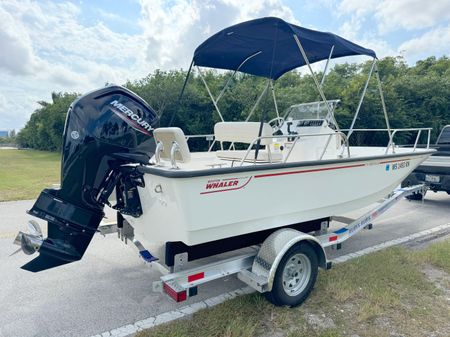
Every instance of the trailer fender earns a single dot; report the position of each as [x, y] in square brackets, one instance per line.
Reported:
[275, 246]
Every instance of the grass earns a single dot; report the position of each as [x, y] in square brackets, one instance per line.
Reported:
[437, 254]
[382, 294]
[24, 173]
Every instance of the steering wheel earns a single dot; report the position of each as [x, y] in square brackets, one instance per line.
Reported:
[276, 123]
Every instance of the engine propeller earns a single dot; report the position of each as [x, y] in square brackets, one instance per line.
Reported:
[29, 242]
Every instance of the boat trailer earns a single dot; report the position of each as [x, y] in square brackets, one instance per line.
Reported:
[284, 267]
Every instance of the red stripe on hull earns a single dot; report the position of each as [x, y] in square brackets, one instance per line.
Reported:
[393, 161]
[307, 171]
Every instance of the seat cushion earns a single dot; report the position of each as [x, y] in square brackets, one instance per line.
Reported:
[242, 132]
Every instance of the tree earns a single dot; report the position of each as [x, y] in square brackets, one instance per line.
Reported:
[416, 96]
[46, 125]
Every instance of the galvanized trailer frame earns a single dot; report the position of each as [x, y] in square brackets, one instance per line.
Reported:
[258, 267]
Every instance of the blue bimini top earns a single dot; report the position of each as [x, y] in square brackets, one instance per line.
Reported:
[266, 47]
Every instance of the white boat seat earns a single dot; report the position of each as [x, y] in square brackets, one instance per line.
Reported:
[263, 156]
[242, 132]
[170, 137]
[245, 132]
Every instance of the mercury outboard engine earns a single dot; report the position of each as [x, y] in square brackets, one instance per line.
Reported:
[107, 132]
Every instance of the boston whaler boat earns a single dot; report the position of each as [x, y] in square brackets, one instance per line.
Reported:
[295, 172]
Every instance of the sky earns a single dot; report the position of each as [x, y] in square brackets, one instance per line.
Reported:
[77, 46]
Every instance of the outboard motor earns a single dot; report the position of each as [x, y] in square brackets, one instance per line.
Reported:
[107, 132]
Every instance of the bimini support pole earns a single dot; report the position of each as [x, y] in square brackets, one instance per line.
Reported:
[326, 66]
[233, 74]
[185, 81]
[216, 101]
[274, 98]
[180, 95]
[386, 117]
[210, 94]
[350, 131]
[319, 87]
[324, 75]
[258, 100]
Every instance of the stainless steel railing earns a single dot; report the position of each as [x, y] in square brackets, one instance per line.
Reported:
[341, 134]
[391, 143]
[296, 138]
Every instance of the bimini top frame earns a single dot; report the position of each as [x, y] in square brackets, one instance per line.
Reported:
[270, 47]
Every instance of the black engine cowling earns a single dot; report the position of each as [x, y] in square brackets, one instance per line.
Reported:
[105, 131]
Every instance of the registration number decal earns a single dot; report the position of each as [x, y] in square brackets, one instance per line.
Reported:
[397, 166]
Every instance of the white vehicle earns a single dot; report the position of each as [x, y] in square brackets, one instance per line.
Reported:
[294, 173]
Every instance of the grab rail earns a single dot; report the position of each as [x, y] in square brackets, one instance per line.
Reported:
[200, 136]
[208, 137]
[395, 131]
[341, 133]
[297, 137]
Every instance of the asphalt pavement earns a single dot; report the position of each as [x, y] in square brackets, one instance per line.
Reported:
[112, 287]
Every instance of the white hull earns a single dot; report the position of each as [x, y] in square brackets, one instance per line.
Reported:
[212, 207]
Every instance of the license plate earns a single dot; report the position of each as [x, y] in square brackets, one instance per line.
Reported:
[432, 178]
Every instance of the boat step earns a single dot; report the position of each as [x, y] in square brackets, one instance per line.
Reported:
[255, 281]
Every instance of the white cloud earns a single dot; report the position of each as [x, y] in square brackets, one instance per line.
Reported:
[173, 32]
[45, 46]
[17, 101]
[357, 7]
[16, 55]
[405, 14]
[436, 41]
[411, 14]
[48, 46]
[350, 29]
[395, 18]
[112, 16]
[353, 30]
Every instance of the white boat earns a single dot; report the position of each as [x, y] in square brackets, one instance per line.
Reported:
[212, 196]
[309, 174]
[295, 170]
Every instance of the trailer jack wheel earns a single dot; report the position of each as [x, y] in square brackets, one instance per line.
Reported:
[295, 276]
[416, 196]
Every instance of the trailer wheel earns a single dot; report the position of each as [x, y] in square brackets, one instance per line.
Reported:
[295, 276]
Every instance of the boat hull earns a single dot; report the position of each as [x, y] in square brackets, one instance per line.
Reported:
[205, 208]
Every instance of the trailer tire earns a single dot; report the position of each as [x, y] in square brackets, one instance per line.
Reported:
[295, 276]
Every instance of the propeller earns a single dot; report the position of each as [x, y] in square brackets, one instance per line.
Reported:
[29, 242]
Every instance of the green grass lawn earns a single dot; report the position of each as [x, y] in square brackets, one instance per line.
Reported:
[24, 173]
[383, 294]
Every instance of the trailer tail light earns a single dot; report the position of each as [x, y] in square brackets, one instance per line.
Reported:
[178, 296]
[195, 277]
